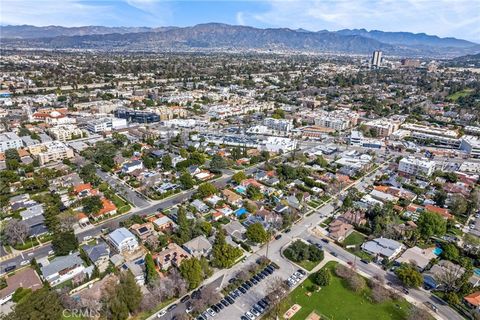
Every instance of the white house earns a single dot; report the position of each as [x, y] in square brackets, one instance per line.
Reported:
[123, 240]
[63, 268]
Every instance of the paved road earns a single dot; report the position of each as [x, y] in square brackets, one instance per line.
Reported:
[119, 186]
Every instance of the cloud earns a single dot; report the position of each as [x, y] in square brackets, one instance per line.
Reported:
[239, 18]
[458, 18]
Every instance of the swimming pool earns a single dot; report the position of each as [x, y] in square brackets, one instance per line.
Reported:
[476, 271]
[241, 189]
[437, 251]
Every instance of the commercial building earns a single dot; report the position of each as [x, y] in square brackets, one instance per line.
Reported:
[10, 140]
[51, 151]
[65, 132]
[442, 137]
[136, 115]
[471, 145]
[106, 124]
[415, 166]
[376, 61]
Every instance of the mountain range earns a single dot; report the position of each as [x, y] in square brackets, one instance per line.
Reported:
[223, 37]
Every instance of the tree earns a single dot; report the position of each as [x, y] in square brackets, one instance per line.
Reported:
[150, 271]
[431, 223]
[42, 304]
[167, 163]
[124, 298]
[417, 313]
[450, 252]
[440, 197]
[63, 242]
[92, 204]
[224, 255]
[409, 276]
[217, 163]
[15, 232]
[257, 233]
[254, 193]
[191, 270]
[458, 205]
[239, 177]
[206, 189]
[322, 277]
[187, 181]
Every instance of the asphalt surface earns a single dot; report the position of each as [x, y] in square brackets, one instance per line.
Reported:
[119, 186]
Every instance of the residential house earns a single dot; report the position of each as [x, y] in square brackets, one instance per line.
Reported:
[418, 257]
[99, 254]
[473, 300]
[200, 206]
[232, 197]
[235, 230]
[63, 268]
[143, 231]
[198, 247]
[445, 213]
[444, 268]
[108, 209]
[136, 271]
[339, 230]
[163, 223]
[131, 166]
[122, 240]
[383, 248]
[171, 256]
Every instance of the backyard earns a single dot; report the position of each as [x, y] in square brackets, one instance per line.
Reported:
[336, 301]
[356, 239]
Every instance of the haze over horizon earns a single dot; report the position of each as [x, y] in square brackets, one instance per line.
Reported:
[447, 18]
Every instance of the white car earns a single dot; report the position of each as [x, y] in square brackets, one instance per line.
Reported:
[298, 275]
[211, 312]
[255, 312]
[24, 262]
[161, 313]
[250, 315]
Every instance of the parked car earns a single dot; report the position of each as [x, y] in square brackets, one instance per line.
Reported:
[185, 299]
[278, 236]
[171, 307]
[211, 312]
[161, 313]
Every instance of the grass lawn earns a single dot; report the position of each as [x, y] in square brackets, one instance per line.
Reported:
[307, 264]
[354, 239]
[336, 301]
[463, 93]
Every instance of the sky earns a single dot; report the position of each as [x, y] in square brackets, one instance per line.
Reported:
[445, 18]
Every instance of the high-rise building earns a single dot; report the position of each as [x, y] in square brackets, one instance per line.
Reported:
[377, 59]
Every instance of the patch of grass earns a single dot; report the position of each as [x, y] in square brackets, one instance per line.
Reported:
[308, 265]
[336, 301]
[27, 245]
[354, 239]
[462, 93]
[145, 314]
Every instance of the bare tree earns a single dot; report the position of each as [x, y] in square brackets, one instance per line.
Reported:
[277, 295]
[15, 232]
[450, 276]
[418, 314]
[208, 296]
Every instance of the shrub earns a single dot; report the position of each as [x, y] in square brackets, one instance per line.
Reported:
[322, 277]
[356, 283]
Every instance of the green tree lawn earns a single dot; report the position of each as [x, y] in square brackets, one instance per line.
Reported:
[336, 301]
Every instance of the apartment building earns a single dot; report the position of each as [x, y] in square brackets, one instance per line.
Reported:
[10, 140]
[278, 124]
[338, 120]
[51, 151]
[416, 166]
[106, 124]
[382, 127]
[65, 132]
